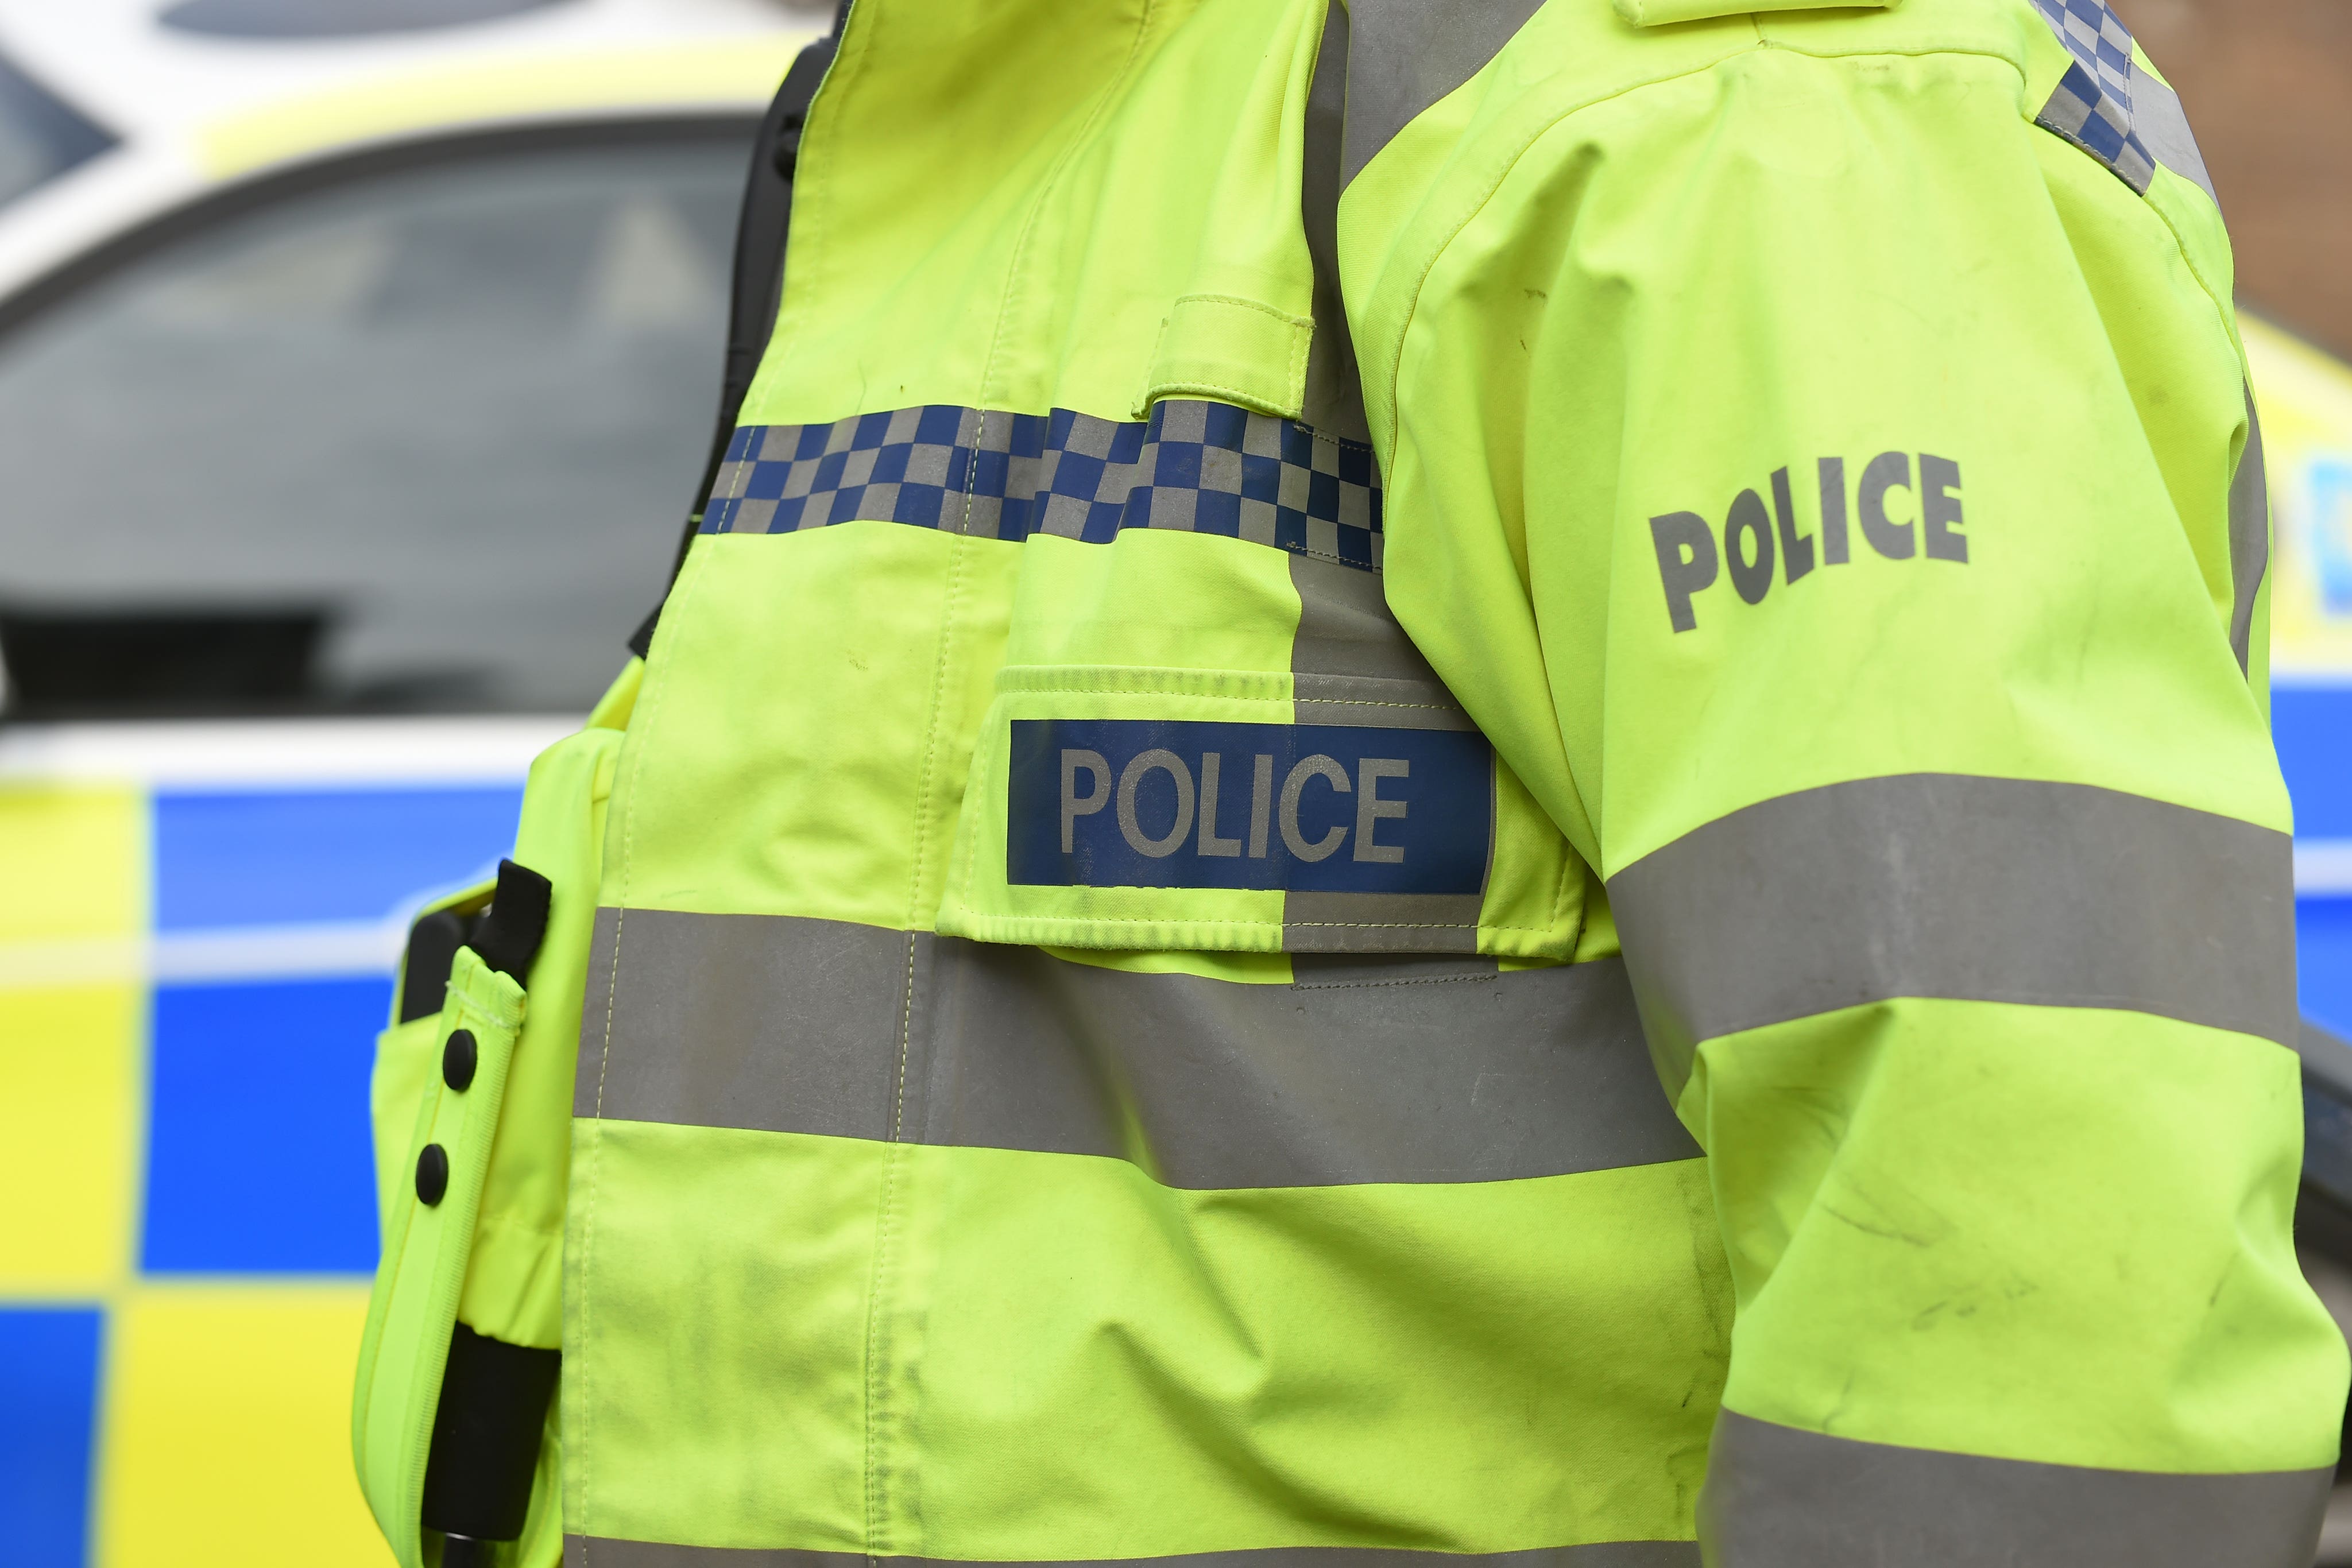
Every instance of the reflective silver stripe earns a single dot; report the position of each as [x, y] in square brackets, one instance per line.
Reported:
[1334, 400]
[1379, 922]
[599, 1552]
[1405, 55]
[1395, 1070]
[2163, 127]
[1352, 663]
[1941, 884]
[1780, 1497]
[1375, 704]
[1346, 629]
[2250, 535]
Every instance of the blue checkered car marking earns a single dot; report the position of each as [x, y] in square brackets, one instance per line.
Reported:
[1203, 467]
[2092, 106]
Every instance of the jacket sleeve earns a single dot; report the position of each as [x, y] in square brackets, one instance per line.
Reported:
[1847, 464]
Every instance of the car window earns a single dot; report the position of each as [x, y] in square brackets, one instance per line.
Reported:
[41, 135]
[421, 440]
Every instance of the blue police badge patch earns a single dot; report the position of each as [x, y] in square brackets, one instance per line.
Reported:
[1310, 808]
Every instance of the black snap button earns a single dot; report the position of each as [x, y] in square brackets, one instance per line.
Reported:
[457, 1059]
[432, 1173]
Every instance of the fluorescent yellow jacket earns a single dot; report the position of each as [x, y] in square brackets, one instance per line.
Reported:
[1460, 780]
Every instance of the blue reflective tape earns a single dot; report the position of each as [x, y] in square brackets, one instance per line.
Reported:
[1312, 808]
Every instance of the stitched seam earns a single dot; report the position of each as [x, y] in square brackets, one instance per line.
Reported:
[1363, 702]
[1174, 386]
[876, 1401]
[1293, 381]
[906, 1034]
[1260, 306]
[1258, 399]
[885, 1235]
[1375, 985]
[695, 570]
[1375, 569]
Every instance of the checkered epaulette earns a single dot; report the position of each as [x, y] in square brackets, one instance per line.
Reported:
[2091, 106]
[1192, 466]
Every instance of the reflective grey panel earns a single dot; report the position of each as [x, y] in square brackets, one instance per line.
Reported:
[2162, 125]
[1376, 704]
[1352, 663]
[1363, 1070]
[1405, 55]
[1939, 885]
[1780, 1497]
[2250, 535]
[1335, 394]
[1380, 922]
[1345, 627]
[739, 1021]
[597, 1552]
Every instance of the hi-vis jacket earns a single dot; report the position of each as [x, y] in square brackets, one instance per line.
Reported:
[1453, 780]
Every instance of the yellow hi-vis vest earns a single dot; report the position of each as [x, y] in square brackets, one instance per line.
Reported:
[1439, 780]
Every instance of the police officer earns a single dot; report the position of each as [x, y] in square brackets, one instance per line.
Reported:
[1449, 779]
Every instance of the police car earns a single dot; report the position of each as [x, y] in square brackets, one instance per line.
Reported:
[357, 362]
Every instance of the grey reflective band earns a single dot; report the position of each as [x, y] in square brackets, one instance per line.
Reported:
[1347, 629]
[1333, 398]
[2092, 104]
[1393, 1069]
[1192, 466]
[2250, 535]
[2163, 125]
[1942, 884]
[1405, 55]
[1351, 664]
[1780, 1497]
[1376, 704]
[599, 1552]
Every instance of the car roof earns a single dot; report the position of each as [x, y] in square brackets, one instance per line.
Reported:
[144, 71]
[200, 95]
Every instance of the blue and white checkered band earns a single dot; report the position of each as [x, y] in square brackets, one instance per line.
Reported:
[2091, 106]
[1203, 467]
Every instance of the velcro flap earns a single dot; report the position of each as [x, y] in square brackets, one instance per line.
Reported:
[1231, 349]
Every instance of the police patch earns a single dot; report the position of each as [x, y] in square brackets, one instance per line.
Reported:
[1311, 808]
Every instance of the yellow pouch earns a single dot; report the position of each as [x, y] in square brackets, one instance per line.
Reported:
[490, 1250]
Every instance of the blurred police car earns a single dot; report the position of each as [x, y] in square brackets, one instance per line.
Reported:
[356, 359]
